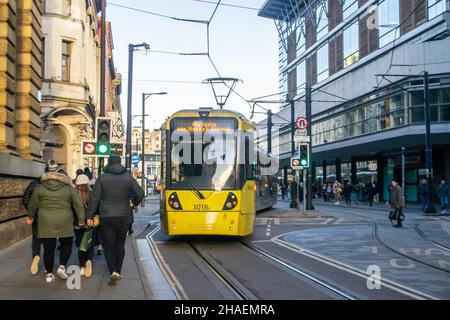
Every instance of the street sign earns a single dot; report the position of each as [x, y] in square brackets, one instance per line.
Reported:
[117, 149]
[135, 159]
[301, 132]
[296, 154]
[295, 163]
[302, 139]
[118, 129]
[89, 148]
[301, 123]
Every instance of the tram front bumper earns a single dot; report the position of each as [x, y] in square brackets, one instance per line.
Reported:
[229, 223]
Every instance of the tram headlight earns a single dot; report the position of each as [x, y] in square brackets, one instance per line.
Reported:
[174, 202]
[231, 202]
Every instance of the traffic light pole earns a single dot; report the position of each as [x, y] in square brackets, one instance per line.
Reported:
[144, 97]
[308, 199]
[102, 73]
[428, 151]
[129, 108]
[269, 131]
[293, 200]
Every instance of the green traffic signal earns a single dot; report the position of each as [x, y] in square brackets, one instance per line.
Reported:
[103, 149]
[103, 136]
[304, 155]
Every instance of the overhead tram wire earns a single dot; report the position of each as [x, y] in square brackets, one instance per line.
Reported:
[395, 37]
[158, 14]
[228, 5]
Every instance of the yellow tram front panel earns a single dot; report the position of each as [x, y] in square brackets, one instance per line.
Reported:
[207, 216]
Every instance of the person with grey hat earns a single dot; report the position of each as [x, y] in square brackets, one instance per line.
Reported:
[111, 198]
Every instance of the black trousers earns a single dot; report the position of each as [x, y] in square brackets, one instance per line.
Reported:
[83, 256]
[114, 233]
[49, 252]
[35, 241]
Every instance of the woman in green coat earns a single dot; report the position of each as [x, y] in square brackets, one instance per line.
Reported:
[55, 199]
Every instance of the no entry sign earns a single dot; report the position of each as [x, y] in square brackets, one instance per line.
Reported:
[89, 148]
[295, 163]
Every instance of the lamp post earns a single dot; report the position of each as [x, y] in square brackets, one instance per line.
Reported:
[145, 96]
[131, 49]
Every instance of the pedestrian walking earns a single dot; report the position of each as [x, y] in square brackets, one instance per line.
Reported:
[347, 193]
[370, 190]
[77, 174]
[423, 194]
[89, 174]
[442, 191]
[283, 191]
[132, 210]
[111, 198]
[54, 199]
[354, 194]
[35, 241]
[329, 191]
[337, 190]
[288, 191]
[84, 257]
[397, 203]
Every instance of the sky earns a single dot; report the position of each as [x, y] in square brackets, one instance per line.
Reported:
[242, 45]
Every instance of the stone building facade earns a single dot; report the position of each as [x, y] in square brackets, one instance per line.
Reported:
[70, 93]
[21, 51]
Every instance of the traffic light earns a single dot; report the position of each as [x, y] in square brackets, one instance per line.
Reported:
[103, 136]
[304, 155]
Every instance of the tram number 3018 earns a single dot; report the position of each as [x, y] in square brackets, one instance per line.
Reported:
[201, 207]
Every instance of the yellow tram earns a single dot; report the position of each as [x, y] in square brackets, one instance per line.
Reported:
[210, 183]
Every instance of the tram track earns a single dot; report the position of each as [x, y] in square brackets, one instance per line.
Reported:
[374, 226]
[285, 264]
[233, 284]
[243, 293]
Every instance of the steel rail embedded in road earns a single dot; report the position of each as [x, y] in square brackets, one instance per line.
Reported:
[314, 279]
[425, 237]
[375, 235]
[227, 278]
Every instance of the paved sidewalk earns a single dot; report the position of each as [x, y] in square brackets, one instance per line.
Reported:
[16, 282]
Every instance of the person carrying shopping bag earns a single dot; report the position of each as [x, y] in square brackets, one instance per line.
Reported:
[54, 199]
[85, 250]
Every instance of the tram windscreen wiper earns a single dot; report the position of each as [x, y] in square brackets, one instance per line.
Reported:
[193, 189]
[196, 191]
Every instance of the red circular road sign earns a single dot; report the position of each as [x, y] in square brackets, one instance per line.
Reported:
[301, 123]
[295, 162]
[89, 148]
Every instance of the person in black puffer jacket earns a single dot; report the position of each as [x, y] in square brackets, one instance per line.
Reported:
[111, 197]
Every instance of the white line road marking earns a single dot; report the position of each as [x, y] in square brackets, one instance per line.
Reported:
[446, 227]
[176, 286]
[327, 221]
[158, 282]
[345, 267]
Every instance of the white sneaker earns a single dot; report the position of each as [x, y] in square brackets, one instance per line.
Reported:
[49, 278]
[82, 271]
[62, 273]
[35, 265]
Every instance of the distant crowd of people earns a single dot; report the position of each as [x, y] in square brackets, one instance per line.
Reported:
[369, 193]
[97, 213]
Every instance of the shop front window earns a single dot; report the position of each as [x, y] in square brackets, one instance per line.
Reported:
[346, 172]
[331, 173]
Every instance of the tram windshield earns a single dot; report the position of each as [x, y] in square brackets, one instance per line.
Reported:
[203, 154]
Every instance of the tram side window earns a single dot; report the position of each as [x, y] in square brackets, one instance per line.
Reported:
[249, 167]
